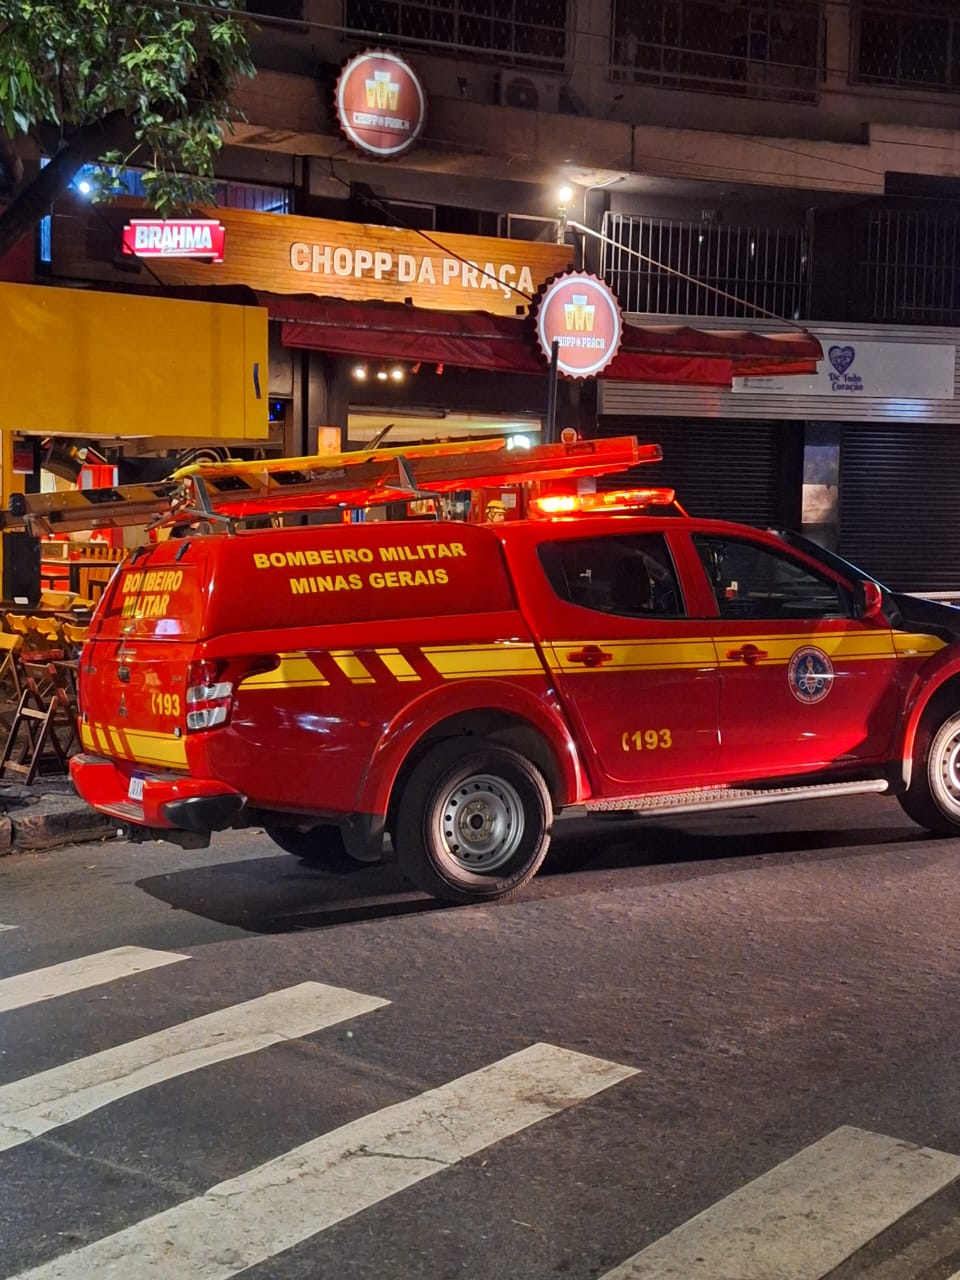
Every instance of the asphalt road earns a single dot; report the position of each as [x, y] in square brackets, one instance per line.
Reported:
[750, 1018]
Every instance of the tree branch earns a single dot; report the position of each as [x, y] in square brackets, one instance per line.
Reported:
[36, 199]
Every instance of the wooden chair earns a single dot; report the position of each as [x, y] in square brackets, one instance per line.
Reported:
[57, 599]
[44, 727]
[10, 645]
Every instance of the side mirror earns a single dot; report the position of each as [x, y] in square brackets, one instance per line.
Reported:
[869, 600]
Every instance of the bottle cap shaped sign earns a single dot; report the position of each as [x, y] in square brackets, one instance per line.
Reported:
[583, 315]
[381, 105]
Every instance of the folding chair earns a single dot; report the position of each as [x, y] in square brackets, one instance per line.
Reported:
[9, 646]
[44, 727]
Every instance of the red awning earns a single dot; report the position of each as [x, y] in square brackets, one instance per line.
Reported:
[506, 344]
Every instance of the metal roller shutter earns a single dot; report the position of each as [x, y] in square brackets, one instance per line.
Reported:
[745, 471]
[900, 503]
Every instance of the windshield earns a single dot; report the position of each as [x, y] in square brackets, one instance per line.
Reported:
[829, 558]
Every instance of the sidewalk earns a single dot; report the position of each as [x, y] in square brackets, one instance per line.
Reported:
[47, 814]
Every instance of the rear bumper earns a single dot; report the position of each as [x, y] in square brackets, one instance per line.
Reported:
[171, 801]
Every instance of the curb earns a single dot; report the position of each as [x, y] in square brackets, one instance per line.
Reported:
[33, 819]
[46, 826]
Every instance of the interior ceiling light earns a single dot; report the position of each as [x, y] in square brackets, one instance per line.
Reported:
[381, 374]
[396, 373]
[360, 372]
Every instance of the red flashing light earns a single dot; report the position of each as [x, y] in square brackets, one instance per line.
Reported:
[567, 504]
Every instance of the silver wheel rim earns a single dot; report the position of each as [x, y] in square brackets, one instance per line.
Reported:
[480, 823]
[944, 768]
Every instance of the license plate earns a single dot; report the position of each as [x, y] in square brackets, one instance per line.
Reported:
[135, 789]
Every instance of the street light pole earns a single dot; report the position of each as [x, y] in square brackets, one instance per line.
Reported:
[550, 428]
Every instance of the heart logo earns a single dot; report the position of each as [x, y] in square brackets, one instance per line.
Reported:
[842, 358]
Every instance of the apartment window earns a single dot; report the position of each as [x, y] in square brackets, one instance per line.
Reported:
[753, 267]
[524, 32]
[901, 43]
[285, 10]
[753, 48]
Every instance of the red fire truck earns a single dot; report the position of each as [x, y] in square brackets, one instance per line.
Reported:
[435, 691]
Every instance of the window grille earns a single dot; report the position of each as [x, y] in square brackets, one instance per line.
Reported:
[754, 48]
[909, 268]
[761, 266]
[907, 42]
[520, 32]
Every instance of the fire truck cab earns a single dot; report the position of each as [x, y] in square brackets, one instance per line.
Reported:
[436, 691]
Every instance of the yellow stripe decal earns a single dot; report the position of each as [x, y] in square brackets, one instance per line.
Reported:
[155, 748]
[117, 741]
[86, 737]
[351, 666]
[296, 671]
[396, 664]
[459, 662]
[633, 655]
[910, 646]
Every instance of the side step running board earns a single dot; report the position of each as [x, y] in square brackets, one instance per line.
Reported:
[701, 799]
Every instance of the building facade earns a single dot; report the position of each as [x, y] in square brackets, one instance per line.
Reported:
[773, 165]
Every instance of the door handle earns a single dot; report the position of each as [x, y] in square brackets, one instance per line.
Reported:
[590, 655]
[748, 653]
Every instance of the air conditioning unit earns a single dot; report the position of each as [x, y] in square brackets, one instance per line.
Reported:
[531, 90]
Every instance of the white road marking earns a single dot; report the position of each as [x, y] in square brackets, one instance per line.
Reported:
[5, 927]
[41, 1102]
[804, 1217]
[77, 975]
[249, 1219]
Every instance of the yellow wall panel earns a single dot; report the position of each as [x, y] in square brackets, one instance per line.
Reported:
[78, 362]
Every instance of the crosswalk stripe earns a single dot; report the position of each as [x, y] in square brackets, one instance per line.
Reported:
[77, 975]
[41, 1102]
[802, 1218]
[247, 1220]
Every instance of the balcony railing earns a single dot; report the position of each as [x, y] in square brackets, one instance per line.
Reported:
[758, 267]
[909, 267]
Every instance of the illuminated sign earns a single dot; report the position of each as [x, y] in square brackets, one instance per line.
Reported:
[581, 314]
[174, 238]
[381, 105]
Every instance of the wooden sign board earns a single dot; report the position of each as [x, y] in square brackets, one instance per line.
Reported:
[359, 262]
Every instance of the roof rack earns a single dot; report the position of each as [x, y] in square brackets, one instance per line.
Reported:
[225, 492]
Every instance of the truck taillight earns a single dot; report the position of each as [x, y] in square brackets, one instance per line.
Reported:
[212, 685]
[209, 696]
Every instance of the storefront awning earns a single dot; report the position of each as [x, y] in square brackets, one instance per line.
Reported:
[506, 344]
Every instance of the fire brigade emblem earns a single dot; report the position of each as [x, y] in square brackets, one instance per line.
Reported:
[810, 675]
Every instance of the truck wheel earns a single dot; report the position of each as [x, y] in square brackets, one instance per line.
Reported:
[321, 847]
[933, 797]
[473, 822]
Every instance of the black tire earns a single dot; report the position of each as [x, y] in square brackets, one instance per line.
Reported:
[321, 847]
[473, 822]
[933, 797]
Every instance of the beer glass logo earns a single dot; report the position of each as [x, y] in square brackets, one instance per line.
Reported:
[383, 93]
[579, 313]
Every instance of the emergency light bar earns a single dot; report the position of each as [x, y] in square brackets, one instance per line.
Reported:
[567, 504]
[228, 491]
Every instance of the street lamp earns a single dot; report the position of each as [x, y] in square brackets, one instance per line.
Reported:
[564, 196]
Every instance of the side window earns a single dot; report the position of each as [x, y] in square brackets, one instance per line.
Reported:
[630, 575]
[751, 581]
